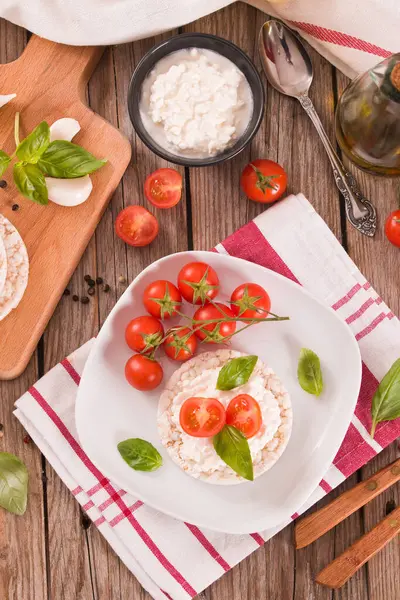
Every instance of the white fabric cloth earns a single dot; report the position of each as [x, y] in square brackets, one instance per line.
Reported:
[98, 22]
[171, 559]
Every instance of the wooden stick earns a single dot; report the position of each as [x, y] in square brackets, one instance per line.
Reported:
[344, 566]
[311, 528]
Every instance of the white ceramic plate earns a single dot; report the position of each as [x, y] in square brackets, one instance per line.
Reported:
[109, 410]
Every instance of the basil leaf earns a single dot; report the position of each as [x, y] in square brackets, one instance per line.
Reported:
[140, 455]
[67, 161]
[4, 162]
[236, 372]
[30, 181]
[13, 484]
[33, 146]
[231, 445]
[386, 400]
[309, 372]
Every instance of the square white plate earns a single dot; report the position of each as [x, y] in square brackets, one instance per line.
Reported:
[109, 410]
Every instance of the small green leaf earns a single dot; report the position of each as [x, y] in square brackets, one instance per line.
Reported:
[236, 372]
[140, 455]
[309, 372]
[231, 445]
[386, 400]
[32, 147]
[65, 160]
[31, 183]
[4, 162]
[13, 484]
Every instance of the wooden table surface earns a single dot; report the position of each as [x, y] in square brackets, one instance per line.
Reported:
[53, 552]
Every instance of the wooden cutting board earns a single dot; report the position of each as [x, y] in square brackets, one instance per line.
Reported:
[50, 82]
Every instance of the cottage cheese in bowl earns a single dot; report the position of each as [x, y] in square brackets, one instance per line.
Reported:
[197, 456]
[195, 103]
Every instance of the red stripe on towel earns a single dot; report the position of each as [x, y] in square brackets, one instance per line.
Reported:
[207, 545]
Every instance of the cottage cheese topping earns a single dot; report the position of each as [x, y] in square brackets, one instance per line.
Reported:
[197, 103]
[198, 377]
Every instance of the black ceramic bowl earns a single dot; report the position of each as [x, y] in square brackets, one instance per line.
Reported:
[216, 44]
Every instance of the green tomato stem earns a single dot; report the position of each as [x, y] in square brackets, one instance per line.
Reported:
[374, 424]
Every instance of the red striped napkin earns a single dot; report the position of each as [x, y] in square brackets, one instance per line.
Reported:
[176, 560]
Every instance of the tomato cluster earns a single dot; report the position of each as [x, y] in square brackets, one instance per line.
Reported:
[212, 323]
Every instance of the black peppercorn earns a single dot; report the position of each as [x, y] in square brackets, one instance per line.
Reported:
[106, 287]
[67, 292]
[75, 298]
[91, 291]
[87, 278]
[91, 283]
[15, 207]
[3, 183]
[85, 300]
[99, 280]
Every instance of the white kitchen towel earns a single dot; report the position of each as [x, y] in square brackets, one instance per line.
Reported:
[353, 34]
[175, 560]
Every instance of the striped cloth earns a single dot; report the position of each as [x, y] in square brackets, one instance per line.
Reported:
[178, 560]
[353, 35]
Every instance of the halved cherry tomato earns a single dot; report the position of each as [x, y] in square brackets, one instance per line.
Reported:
[198, 282]
[244, 413]
[163, 188]
[202, 417]
[162, 299]
[143, 373]
[144, 334]
[263, 180]
[214, 333]
[136, 226]
[180, 344]
[250, 301]
[392, 228]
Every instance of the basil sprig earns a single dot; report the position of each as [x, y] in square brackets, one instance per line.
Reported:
[386, 400]
[309, 372]
[68, 161]
[140, 455]
[231, 445]
[4, 162]
[13, 484]
[30, 182]
[39, 157]
[33, 146]
[236, 372]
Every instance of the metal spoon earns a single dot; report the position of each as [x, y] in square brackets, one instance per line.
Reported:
[289, 70]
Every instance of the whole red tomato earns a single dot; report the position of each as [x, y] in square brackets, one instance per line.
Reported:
[263, 180]
[250, 301]
[144, 334]
[180, 344]
[198, 282]
[162, 299]
[214, 333]
[143, 373]
[392, 228]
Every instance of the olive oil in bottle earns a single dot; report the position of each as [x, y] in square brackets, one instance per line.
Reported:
[368, 119]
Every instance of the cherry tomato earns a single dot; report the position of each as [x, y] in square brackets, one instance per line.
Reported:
[263, 180]
[198, 282]
[163, 188]
[162, 299]
[392, 228]
[244, 413]
[214, 333]
[202, 417]
[180, 344]
[144, 334]
[136, 226]
[143, 373]
[250, 301]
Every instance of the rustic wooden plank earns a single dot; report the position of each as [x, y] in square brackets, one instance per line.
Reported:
[379, 262]
[22, 539]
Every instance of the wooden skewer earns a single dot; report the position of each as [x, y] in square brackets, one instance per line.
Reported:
[344, 566]
[311, 528]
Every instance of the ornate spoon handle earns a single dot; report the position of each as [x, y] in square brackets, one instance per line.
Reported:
[360, 212]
